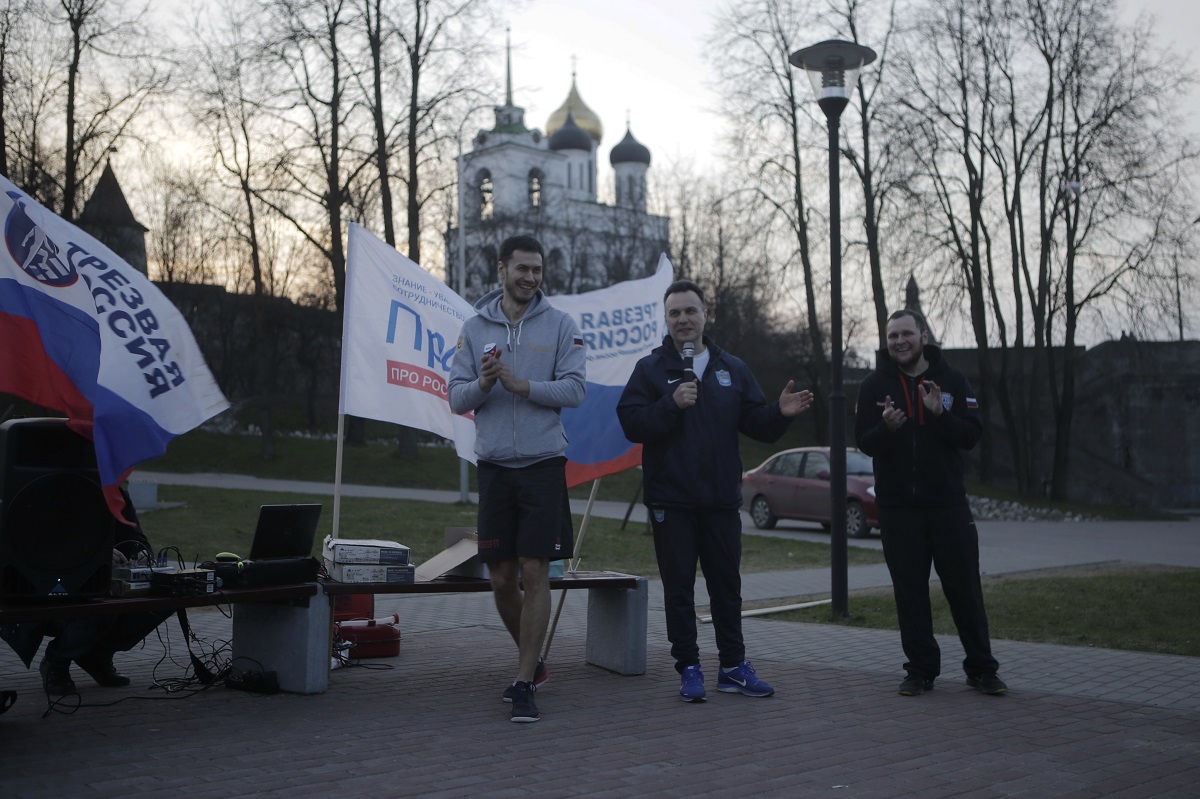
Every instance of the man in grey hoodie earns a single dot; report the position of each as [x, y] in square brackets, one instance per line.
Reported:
[519, 362]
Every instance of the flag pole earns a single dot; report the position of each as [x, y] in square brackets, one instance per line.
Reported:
[337, 475]
[573, 566]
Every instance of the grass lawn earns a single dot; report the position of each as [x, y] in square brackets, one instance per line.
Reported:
[217, 520]
[1121, 606]
[1136, 608]
[315, 459]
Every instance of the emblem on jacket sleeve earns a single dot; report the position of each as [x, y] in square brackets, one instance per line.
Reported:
[947, 400]
[723, 378]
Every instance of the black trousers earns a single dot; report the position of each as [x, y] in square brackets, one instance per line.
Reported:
[714, 538]
[100, 636]
[946, 538]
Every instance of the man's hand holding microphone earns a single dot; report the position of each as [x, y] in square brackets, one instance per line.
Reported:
[687, 391]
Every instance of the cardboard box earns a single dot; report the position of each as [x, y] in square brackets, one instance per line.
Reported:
[473, 567]
[370, 572]
[365, 550]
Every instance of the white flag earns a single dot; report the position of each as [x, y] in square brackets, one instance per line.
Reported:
[399, 332]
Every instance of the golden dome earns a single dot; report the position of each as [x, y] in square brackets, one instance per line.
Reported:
[584, 117]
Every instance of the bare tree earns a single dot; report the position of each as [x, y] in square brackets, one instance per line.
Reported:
[319, 151]
[950, 79]
[230, 84]
[874, 159]
[31, 85]
[383, 125]
[421, 48]
[1112, 167]
[97, 114]
[14, 16]
[442, 43]
[186, 239]
[76, 76]
[763, 102]
[1044, 105]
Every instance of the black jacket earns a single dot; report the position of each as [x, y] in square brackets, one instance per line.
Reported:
[921, 463]
[690, 458]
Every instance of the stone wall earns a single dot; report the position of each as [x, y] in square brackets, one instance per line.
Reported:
[1134, 439]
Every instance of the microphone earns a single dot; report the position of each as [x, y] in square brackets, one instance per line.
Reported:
[689, 353]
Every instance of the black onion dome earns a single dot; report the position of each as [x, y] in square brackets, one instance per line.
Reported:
[629, 151]
[570, 137]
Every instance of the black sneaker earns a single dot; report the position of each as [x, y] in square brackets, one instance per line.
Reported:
[915, 686]
[987, 683]
[523, 708]
[540, 676]
[56, 678]
[101, 669]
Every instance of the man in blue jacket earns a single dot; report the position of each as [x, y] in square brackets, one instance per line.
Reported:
[519, 362]
[916, 414]
[686, 412]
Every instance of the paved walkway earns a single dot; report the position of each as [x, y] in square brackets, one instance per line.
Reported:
[1078, 722]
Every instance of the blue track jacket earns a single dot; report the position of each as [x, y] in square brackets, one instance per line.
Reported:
[690, 458]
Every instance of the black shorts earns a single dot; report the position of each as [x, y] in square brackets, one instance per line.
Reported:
[524, 512]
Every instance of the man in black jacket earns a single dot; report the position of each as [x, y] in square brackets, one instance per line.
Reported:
[687, 413]
[915, 416]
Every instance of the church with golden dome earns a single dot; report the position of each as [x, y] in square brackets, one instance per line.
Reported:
[517, 179]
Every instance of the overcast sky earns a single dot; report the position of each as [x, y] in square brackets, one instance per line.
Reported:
[647, 59]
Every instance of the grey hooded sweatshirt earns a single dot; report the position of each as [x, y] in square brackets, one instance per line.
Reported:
[546, 349]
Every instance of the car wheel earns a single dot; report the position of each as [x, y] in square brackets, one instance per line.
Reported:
[760, 512]
[856, 520]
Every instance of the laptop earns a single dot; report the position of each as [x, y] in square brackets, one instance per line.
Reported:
[285, 531]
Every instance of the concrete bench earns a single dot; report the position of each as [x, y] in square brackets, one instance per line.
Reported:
[281, 628]
[616, 613]
[288, 629]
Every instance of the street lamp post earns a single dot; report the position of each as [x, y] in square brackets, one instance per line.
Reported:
[460, 278]
[833, 67]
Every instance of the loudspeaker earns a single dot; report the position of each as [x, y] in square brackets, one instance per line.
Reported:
[56, 531]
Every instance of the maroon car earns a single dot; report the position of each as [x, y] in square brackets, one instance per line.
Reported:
[794, 484]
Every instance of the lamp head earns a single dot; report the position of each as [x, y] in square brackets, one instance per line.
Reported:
[833, 67]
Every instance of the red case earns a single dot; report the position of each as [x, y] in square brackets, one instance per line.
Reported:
[371, 639]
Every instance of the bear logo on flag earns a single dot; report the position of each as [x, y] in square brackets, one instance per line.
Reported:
[33, 250]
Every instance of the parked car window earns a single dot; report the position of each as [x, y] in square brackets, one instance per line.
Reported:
[786, 465]
[816, 463]
[858, 463]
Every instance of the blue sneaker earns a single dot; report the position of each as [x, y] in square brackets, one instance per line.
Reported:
[742, 680]
[691, 684]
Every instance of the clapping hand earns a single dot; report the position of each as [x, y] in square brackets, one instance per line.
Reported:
[893, 417]
[931, 395]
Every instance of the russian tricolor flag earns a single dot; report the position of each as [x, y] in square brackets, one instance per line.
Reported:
[86, 334]
[619, 326]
